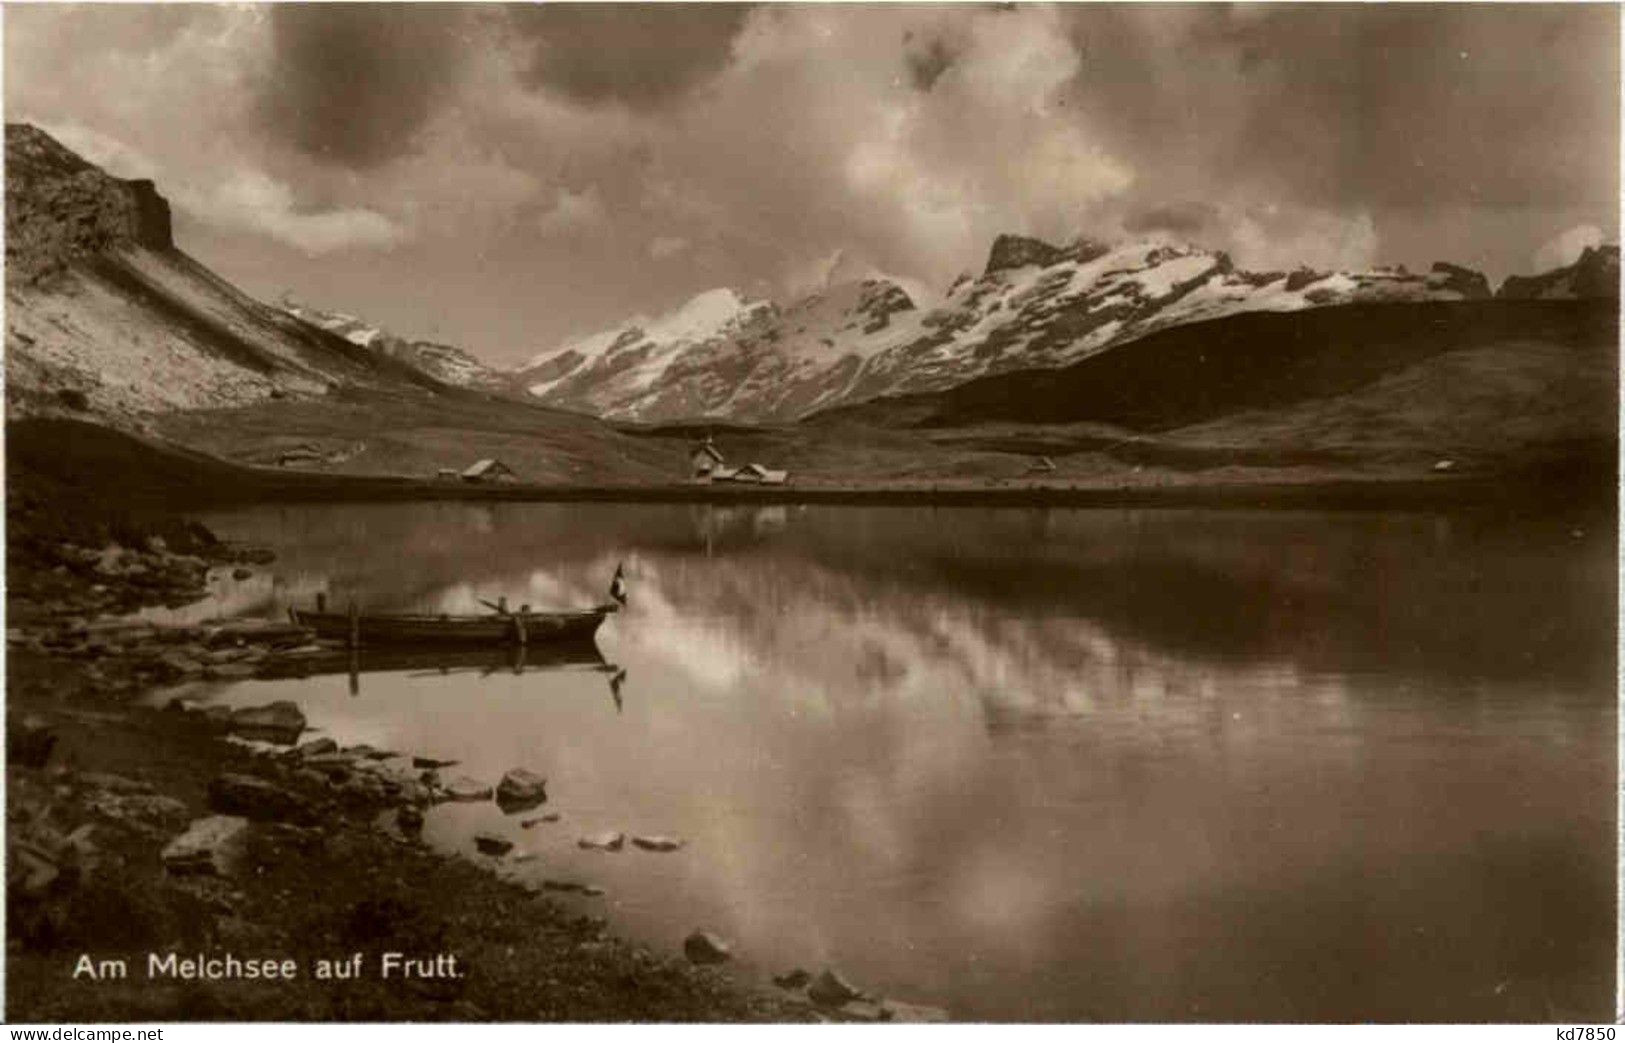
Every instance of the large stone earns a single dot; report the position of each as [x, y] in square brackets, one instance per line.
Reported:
[254, 797]
[829, 989]
[492, 843]
[521, 790]
[705, 947]
[278, 722]
[431, 762]
[214, 845]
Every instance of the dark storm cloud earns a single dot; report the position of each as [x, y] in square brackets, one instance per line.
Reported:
[642, 55]
[1387, 105]
[353, 84]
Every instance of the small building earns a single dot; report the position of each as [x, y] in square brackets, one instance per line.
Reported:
[490, 471]
[704, 459]
[756, 474]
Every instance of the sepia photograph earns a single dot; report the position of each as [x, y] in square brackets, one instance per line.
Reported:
[812, 513]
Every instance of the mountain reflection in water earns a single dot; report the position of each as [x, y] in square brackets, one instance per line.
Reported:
[1128, 765]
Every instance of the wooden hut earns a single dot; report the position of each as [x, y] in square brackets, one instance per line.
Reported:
[490, 471]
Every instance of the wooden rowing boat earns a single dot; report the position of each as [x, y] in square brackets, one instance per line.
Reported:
[525, 628]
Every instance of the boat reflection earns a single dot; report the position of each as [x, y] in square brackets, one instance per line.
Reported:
[442, 661]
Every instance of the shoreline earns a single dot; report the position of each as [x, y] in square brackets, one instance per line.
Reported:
[164, 477]
[216, 836]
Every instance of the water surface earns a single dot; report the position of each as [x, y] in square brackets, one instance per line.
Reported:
[1034, 764]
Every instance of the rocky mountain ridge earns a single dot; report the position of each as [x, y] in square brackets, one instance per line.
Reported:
[61, 208]
[1595, 273]
[106, 316]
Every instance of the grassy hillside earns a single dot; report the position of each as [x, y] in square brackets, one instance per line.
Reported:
[1498, 387]
[1198, 373]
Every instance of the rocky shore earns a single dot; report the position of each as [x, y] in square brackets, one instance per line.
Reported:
[173, 861]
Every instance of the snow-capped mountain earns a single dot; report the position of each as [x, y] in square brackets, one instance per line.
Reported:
[443, 362]
[720, 355]
[1034, 306]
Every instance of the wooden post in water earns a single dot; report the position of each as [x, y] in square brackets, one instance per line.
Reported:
[355, 625]
[519, 625]
[321, 601]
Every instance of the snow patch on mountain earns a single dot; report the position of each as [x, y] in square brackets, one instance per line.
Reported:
[443, 362]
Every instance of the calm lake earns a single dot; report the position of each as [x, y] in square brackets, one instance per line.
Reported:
[1032, 764]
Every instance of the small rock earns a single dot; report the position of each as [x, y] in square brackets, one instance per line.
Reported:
[657, 843]
[567, 886]
[217, 717]
[492, 844]
[101, 780]
[864, 1010]
[913, 1013]
[551, 816]
[430, 762]
[316, 747]
[466, 789]
[179, 664]
[796, 979]
[705, 947]
[520, 790]
[31, 871]
[333, 765]
[602, 842]
[213, 845]
[279, 722]
[239, 672]
[241, 573]
[409, 819]
[141, 809]
[832, 990]
[592, 891]
[310, 777]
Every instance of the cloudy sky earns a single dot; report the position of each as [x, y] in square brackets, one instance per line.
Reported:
[505, 176]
